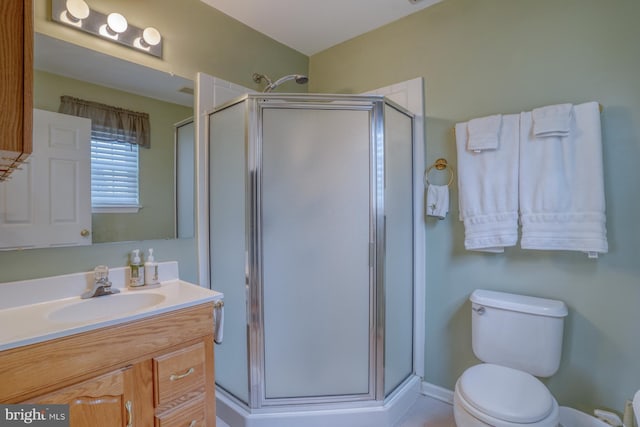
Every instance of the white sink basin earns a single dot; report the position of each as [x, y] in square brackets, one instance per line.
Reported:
[43, 309]
[105, 307]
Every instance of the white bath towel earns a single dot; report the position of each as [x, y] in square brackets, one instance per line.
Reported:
[552, 120]
[484, 133]
[562, 203]
[488, 189]
[437, 200]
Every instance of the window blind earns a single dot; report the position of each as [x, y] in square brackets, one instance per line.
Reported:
[114, 171]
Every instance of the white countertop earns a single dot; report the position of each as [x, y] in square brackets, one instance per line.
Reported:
[30, 310]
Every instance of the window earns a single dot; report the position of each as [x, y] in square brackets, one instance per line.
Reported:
[114, 173]
[116, 135]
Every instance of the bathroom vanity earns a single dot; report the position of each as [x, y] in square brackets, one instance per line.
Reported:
[152, 365]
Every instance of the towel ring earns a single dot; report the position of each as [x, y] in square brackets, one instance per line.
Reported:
[440, 164]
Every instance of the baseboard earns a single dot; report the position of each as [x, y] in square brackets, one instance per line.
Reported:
[440, 393]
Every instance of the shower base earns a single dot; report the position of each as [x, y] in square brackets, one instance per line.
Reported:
[370, 413]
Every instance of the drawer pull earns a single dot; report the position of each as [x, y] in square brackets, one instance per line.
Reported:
[193, 423]
[129, 407]
[174, 377]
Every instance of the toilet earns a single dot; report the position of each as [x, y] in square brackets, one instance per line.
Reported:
[518, 338]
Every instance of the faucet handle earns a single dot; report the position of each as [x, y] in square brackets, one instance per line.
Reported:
[101, 273]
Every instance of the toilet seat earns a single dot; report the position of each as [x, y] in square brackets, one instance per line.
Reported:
[505, 397]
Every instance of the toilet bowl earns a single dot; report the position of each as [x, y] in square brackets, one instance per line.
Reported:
[493, 395]
[517, 337]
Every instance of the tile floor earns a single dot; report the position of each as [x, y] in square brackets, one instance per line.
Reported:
[426, 412]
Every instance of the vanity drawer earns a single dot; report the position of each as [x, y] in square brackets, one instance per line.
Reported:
[178, 373]
[191, 414]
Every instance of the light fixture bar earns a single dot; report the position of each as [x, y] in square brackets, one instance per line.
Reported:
[102, 25]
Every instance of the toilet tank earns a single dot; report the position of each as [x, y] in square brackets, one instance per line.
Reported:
[518, 331]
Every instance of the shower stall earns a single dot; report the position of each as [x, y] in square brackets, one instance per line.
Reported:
[311, 240]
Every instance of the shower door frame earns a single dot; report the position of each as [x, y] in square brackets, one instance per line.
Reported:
[374, 105]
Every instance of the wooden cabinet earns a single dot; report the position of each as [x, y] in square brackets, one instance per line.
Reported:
[16, 83]
[105, 401]
[155, 372]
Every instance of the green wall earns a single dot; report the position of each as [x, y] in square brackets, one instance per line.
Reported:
[502, 56]
[156, 219]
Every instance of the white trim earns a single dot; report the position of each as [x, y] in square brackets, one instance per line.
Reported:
[203, 100]
[355, 414]
[436, 392]
[116, 208]
[209, 92]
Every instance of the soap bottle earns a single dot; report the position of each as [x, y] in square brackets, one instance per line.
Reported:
[151, 270]
[137, 269]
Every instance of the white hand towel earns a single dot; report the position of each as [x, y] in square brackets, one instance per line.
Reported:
[562, 203]
[484, 133]
[437, 200]
[553, 120]
[488, 189]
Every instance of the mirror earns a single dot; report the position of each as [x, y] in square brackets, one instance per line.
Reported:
[65, 69]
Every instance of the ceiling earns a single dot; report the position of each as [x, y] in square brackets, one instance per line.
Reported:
[310, 26]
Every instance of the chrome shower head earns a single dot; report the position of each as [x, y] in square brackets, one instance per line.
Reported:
[299, 78]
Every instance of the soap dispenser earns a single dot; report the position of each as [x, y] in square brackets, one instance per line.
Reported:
[137, 269]
[151, 270]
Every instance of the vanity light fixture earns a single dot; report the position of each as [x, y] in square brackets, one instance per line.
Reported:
[113, 27]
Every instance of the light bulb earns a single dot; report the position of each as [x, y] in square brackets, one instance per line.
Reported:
[117, 23]
[150, 37]
[77, 9]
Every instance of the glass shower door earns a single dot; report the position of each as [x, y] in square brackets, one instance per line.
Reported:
[317, 282]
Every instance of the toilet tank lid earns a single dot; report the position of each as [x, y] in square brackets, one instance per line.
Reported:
[519, 303]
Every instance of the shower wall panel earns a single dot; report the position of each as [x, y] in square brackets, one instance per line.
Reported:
[227, 248]
[398, 259]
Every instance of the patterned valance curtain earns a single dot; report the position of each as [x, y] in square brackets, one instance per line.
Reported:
[128, 126]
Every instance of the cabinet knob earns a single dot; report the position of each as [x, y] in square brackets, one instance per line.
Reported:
[85, 232]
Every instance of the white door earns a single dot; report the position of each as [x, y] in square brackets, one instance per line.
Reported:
[48, 202]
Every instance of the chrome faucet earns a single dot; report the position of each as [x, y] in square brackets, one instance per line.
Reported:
[101, 284]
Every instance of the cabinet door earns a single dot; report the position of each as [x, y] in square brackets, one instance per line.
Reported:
[16, 83]
[106, 400]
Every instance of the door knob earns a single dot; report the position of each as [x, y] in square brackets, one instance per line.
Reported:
[85, 232]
